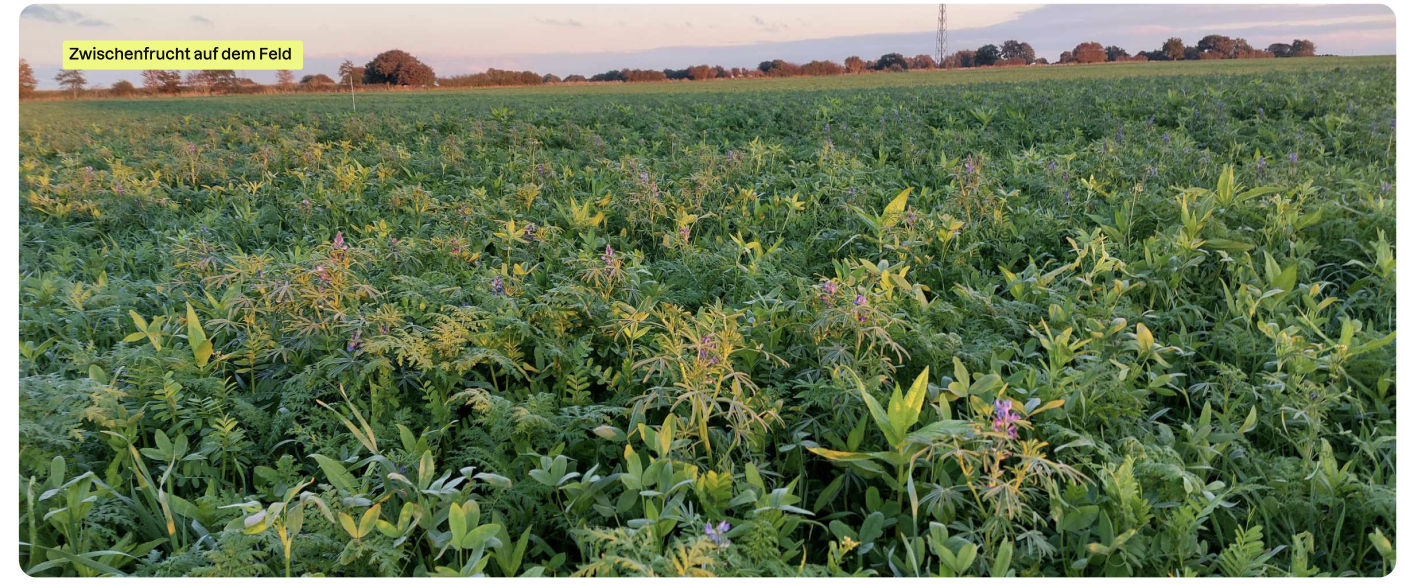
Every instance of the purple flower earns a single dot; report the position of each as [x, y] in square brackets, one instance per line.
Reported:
[705, 345]
[1294, 157]
[497, 285]
[1004, 421]
[860, 300]
[338, 243]
[718, 534]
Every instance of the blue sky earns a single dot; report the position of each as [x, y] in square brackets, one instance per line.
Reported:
[590, 39]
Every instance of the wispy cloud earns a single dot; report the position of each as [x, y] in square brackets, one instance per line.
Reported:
[59, 15]
[772, 26]
[198, 19]
[571, 22]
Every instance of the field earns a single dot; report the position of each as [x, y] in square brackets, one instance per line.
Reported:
[1071, 321]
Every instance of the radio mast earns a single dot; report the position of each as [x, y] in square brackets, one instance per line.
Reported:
[941, 34]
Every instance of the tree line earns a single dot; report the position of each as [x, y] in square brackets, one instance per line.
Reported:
[397, 68]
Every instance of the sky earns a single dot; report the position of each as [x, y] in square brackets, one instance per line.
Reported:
[589, 39]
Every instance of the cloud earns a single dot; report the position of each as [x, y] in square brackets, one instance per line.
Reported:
[198, 19]
[58, 15]
[569, 22]
[768, 26]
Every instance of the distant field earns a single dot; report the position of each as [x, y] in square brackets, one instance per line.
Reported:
[377, 101]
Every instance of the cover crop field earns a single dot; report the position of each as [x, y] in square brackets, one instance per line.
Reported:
[1097, 321]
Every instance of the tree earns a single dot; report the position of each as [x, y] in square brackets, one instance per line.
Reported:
[1014, 49]
[574, 78]
[1089, 52]
[1115, 52]
[1066, 57]
[397, 67]
[198, 80]
[1302, 48]
[1242, 49]
[285, 78]
[817, 68]
[27, 80]
[1173, 49]
[960, 60]
[212, 79]
[123, 88]
[1222, 46]
[71, 80]
[349, 74]
[316, 80]
[987, 56]
[923, 61]
[701, 72]
[854, 64]
[891, 62]
[1281, 50]
[643, 75]
[162, 81]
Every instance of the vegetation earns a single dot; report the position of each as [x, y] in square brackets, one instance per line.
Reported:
[1087, 321]
[398, 69]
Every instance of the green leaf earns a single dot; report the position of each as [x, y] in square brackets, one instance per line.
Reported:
[1003, 560]
[458, 524]
[965, 557]
[480, 535]
[1249, 421]
[337, 474]
[838, 455]
[894, 210]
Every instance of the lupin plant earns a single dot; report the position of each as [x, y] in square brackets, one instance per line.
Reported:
[1072, 324]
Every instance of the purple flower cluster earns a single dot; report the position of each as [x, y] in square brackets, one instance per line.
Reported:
[339, 244]
[1004, 422]
[718, 534]
[497, 285]
[705, 350]
[828, 290]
